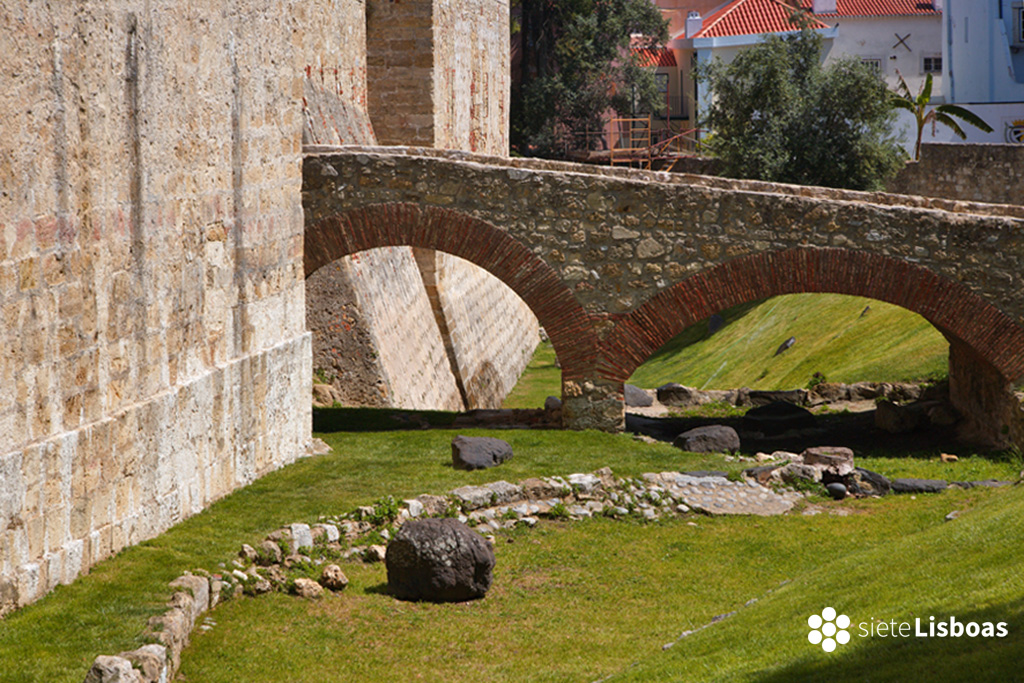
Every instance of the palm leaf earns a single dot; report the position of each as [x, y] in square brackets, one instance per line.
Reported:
[926, 91]
[965, 115]
[951, 122]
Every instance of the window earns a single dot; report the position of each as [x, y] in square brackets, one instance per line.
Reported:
[874, 63]
[932, 65]
[662, 82]
[1019, 28]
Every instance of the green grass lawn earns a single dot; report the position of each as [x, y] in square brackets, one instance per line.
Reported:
[888, 343]
[571, 601]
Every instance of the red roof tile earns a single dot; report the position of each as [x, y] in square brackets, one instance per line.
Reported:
[751, 17]
[878, 8]
[655, 56]
[754, 17]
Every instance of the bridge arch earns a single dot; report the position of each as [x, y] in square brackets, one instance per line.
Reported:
[986, 346]
[567, 324]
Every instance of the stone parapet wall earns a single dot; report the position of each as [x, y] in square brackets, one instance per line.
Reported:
[155, 353]
[977, 173]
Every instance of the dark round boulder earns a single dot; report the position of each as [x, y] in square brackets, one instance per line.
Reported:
[438, 560]
[709, 439]
[836, 490]
[479, 452]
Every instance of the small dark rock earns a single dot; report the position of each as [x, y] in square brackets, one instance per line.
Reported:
[836, 490]
[439, 560]
[637, 397]
[715, 323]
[709, 439]
[918, 485]
[552, 403]
[479, 452]
[785, 345]
[777, 418]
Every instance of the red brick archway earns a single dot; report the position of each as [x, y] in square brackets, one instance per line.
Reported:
[569, 327]
[958, 313]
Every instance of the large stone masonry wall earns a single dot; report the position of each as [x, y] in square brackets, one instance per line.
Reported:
[491, 331]
[978, 172]
[154, 346]
[439, 73]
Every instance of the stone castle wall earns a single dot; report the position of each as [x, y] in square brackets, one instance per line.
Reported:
[439, 73]
[491, 331]
[978, 172]
[155, 353]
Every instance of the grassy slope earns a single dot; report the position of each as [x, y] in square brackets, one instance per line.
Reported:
[888, 343]
[581, 600]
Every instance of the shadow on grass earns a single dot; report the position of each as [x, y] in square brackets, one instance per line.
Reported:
[853, 430]
[378, 419]
[922, 659]
[379, 589]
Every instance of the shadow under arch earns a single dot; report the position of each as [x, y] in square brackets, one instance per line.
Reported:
[959, 314]
[567, 324]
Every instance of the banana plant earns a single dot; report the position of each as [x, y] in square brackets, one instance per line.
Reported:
[945, 114]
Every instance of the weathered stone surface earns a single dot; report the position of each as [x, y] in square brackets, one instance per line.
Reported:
[794, 471]
[896, 419]
[866, 483]
[107, 669]
[777, 418]
[479, 452]
[308, 588]
[636, 397]
[837, 460]
[709, 439]
[151, 661]
[674, 394]
[375, 553]
[269, 553]
[333, 579]
[494, 493]
[541, 489]
[911, 485]
[764, 398]
[719, 496]
[439, 560]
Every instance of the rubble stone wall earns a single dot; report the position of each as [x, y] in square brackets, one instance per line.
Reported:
[978, 173]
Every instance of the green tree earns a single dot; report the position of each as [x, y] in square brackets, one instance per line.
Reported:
[945, 114]
[777, 114]
[575, 65]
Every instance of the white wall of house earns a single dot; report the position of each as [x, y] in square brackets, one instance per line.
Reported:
[878, 38]
[985, 51]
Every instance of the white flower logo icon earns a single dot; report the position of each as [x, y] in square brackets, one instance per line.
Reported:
[828, 629]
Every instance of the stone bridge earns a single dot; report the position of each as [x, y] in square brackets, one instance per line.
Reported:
[615, 262]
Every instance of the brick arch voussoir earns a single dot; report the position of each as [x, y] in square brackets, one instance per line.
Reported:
[956, 311]
[568, 325]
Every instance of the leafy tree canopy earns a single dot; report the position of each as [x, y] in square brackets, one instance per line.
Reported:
[576, 64]
[779, 115]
